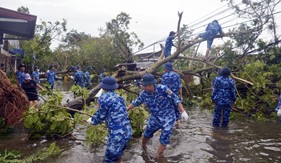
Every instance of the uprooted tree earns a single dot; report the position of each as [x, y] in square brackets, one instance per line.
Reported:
[181, 47]
[13, 101]
[254, 63]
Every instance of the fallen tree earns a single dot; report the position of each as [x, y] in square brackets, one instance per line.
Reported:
[78, 103]
[13, 101]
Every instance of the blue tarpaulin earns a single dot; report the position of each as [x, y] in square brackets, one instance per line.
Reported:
[17, 51]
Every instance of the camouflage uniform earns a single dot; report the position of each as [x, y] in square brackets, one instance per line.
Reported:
[224, 95]
[278, 106]
[35, 77]
[51, 76]
[168, 46]
[101, 76]
[113, 111]
[172, 80]
[212, 30]
[161, 106]
[20, 76]
[88, 79]
[79, 78]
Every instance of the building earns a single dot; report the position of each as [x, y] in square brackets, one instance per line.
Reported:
[14, 26]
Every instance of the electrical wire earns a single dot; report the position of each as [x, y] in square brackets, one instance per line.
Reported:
[194, 24]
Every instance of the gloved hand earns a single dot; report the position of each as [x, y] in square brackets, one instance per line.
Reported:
[184, 116]
[89, 120]
[279, 113]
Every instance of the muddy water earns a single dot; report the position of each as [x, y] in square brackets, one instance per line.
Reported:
[196, 141]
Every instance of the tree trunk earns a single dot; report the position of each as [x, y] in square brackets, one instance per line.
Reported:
[132, 75]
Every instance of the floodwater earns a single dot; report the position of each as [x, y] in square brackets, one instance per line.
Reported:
[194, 142]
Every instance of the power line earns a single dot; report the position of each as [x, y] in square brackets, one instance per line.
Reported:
[196, 21]
[221, 12]
[211, 16]
[232, 24]
[252, 19]
[191, 23]
[207, 24]
[223, 17]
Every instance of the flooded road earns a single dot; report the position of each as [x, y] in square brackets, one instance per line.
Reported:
[194, 142]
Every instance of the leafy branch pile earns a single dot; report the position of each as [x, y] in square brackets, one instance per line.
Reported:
[51, 119]
[15, 157]
[138, 116]
[260, 99]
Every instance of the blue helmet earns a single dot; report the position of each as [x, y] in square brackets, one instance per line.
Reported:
[52, 65]
[215, 21]
[147, 79]
[109, 83]
[169, 66]
[36, 67]
[73, 68]
[225, 72]
[172, 33]
[89, 68]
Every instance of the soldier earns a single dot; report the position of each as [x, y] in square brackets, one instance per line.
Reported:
[35, 74]
[87, 77]
[79, 77]
[223, 95]
[112, 110]
[173, 81]
[161, 102]
[212, 30]
[169, 44]
[30, 88]
[51, 76]
[101, 75]
[20, 73]
[278, 108]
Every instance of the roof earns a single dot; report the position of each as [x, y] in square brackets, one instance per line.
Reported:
[150, 54]
[17, 23]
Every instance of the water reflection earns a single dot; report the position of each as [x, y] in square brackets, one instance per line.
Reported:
[221, 144]
[196, 141]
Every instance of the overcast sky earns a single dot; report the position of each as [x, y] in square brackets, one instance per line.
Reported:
[152, 20]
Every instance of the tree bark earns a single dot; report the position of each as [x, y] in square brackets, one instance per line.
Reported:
[132, 75]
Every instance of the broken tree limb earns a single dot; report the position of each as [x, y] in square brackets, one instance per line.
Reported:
[132, 75]
[213, 65]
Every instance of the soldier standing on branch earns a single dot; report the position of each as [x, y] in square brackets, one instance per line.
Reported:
[212, 30]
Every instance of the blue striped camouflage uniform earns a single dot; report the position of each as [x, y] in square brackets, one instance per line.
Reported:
[35, 77]
[51, 76]
[168, 46]
[162, 110]
[79, 78]
[88, 78]
[172, 80]
[20, 76]
[101, 76]
[223, 95]
[279, 104]
[113, 111]
[278, 107]
[212, 30]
